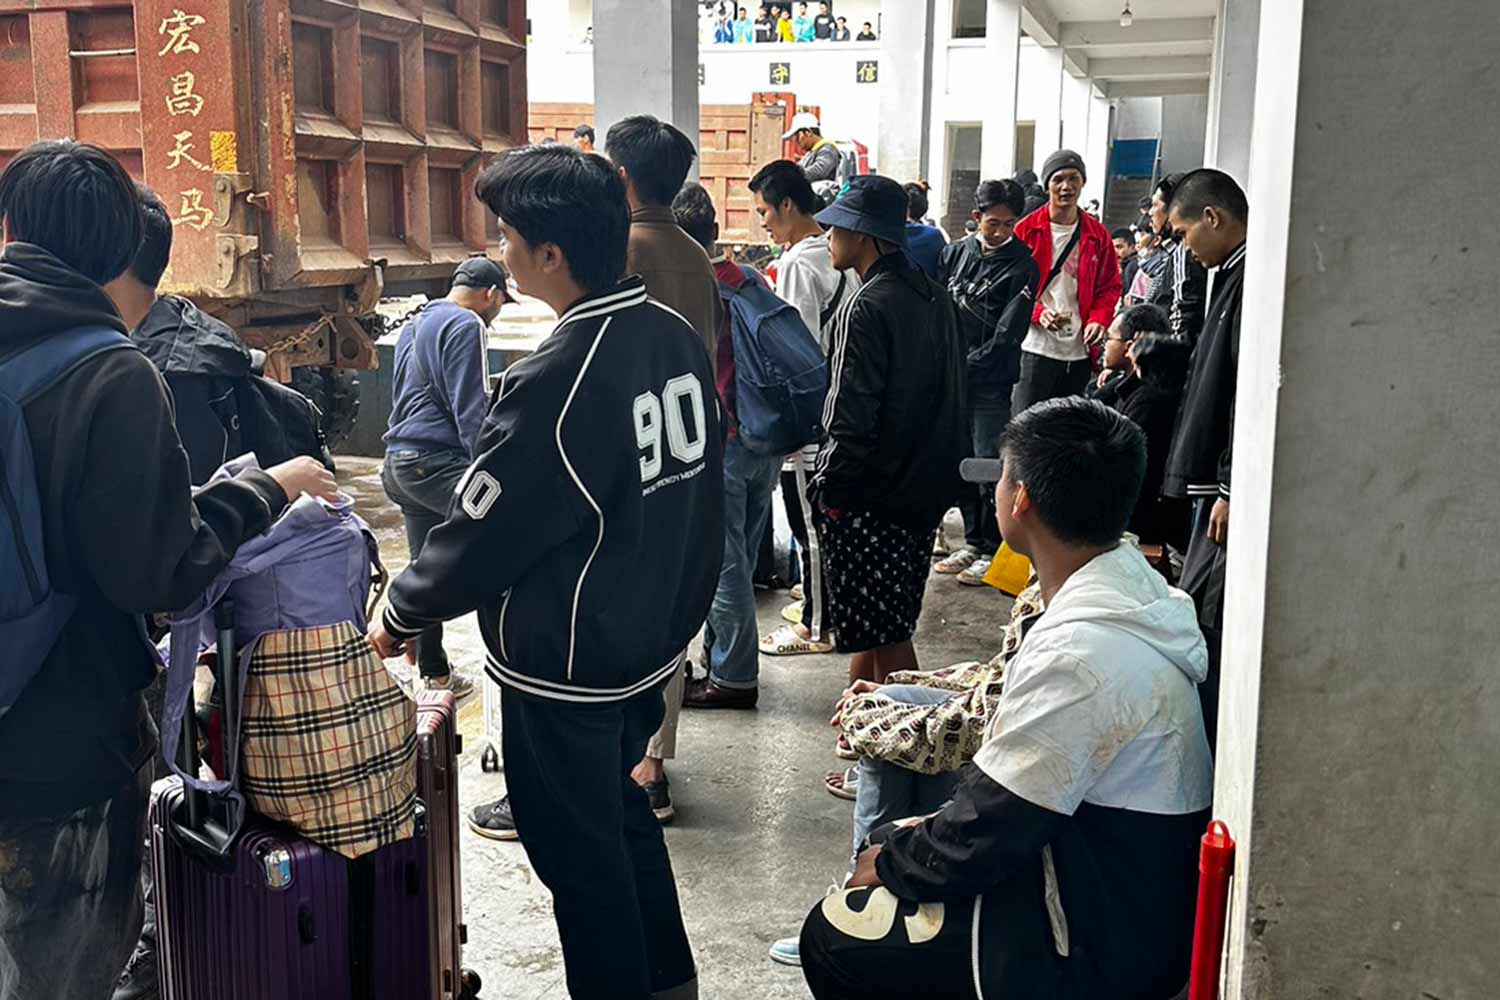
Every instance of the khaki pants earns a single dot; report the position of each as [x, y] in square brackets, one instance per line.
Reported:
[663, 745]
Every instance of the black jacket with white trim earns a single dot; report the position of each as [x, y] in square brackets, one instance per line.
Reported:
[895, 409]
[1199, 462]
[588, 532]
[993, 292]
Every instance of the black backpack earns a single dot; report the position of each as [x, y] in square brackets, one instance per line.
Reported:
[278, 423]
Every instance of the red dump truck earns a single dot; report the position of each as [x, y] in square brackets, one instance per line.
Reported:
[316, 155]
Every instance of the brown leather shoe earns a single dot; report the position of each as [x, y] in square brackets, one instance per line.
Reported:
[704, 693]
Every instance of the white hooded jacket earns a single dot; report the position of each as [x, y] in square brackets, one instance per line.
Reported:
[1101, 702]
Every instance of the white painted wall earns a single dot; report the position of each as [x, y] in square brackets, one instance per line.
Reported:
[1184, 121]
[1138, 118]
[960, 93]
[560, 69]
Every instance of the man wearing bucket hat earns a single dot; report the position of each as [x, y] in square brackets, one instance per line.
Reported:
[820, 158]
[896, 431]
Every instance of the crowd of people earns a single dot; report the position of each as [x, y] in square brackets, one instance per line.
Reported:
[1030, 817]
[1009, 374]
[776, 22]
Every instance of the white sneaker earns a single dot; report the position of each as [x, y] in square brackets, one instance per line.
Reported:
[974, 575]
[456, 682]
[957, 562]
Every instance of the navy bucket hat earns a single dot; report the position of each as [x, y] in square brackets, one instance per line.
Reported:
[873, 205]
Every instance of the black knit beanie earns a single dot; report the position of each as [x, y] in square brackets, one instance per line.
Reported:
[1062, 160]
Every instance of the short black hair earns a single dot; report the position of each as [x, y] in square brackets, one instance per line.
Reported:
[561, 195]
[1139, 320]
[1163, 360]
[782, 179]
[656, 155]
[1206, 187]
[76, 202]
[916, 200]
[1082, 464]
[150, 261]
[584, 132]
[1122, 233]
[1165, 187]
[693, 208]
[1008, 193]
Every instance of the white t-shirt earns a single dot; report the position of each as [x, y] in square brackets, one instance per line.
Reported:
[1061, 297]
[806, 277]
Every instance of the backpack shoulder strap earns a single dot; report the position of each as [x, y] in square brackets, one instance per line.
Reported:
[833, 303]
[27, 373]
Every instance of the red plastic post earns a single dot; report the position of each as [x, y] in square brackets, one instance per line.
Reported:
[1215, 867]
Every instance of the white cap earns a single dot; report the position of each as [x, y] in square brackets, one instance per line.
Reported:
[800, 121]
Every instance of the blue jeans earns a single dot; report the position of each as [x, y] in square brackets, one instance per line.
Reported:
[421, 483]
[887, 792]
[732, 636]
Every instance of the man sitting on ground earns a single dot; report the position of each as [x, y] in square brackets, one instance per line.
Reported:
[1116, 381]
[1072, 840]
[913, 734]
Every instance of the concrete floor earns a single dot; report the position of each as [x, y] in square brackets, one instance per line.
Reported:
[756, 840]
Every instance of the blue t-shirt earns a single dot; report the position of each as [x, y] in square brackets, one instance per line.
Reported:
[923, 245]
[803, 28]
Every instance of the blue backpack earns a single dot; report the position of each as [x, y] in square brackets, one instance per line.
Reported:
[32, 614]
[780, 373]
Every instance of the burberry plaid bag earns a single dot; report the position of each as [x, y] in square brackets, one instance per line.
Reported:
[328, 739]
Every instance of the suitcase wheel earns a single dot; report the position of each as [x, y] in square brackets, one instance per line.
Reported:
[471, 984]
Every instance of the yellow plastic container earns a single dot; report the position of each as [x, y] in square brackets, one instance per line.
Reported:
[1009, 571]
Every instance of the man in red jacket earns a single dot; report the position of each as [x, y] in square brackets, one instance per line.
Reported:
[1079, 292]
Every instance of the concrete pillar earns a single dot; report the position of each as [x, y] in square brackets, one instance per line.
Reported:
[639, 71]
[1183, 119]
[906, 28]
[1002, 50]
[1096, 148]
[1076, 97]
[1359, 720]
[1231, 88]
[1045, 97]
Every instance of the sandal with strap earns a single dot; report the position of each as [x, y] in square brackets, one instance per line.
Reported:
[786, 642]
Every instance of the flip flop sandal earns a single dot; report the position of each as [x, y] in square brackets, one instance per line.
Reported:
[786, 642]
[842, 784]
[792, 613]
[843, 750]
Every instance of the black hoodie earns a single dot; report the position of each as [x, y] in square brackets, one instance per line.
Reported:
[201, 360]
[125, 534]
[993, 292]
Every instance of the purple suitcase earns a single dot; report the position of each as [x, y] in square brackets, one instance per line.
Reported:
[277, 917]
[282, 919]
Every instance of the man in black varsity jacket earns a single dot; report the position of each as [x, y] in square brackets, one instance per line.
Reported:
[1063, 867]
[588, 533]
[1208, 212]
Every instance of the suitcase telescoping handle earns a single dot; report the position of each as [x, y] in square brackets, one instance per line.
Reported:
[204, 830]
